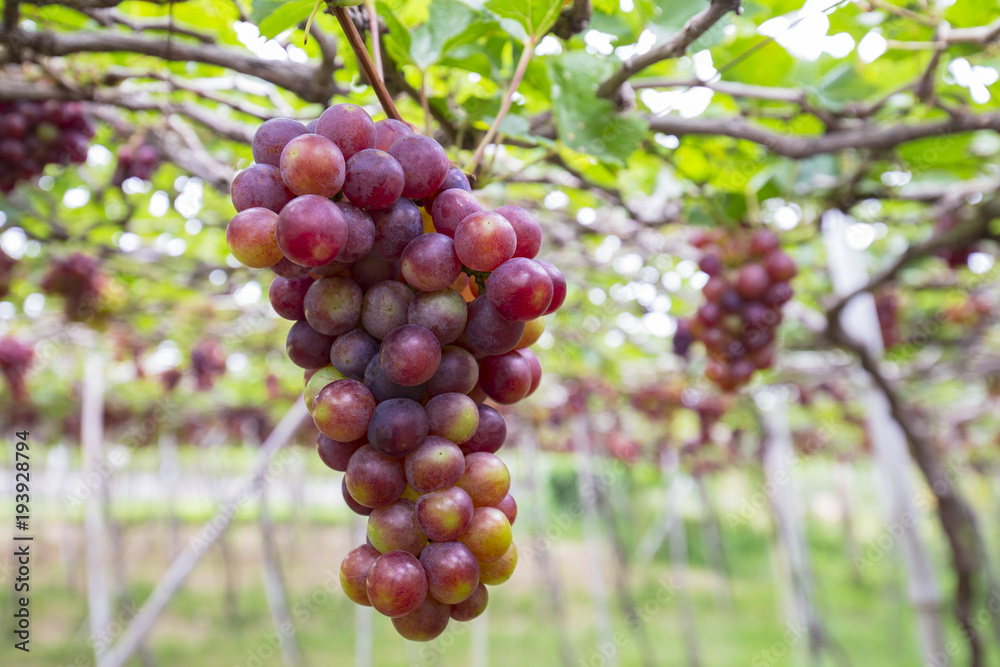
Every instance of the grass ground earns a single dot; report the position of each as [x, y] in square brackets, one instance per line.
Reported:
[866, 614]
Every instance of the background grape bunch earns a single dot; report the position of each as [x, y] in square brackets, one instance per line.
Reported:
[136, 161]
[34, 134]
[412, 305]
[747, 287]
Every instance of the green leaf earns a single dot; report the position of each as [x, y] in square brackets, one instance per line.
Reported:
[397, 37]
[586, 124]
[447, 25]
[535, 16]
[275, 16]
[840, 85]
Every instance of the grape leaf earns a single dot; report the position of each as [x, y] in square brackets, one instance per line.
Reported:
[446, 26]
[592, 127]
[535, 16]
[273, 17]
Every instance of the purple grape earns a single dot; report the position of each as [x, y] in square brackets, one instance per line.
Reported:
[484, 241]
[360, 233]
[394, 527]
[436, 464]
[287, 296]
[387, 131]
[486, 479]
[383, 388]
[452, 571]
[409, 355]
[343, 409]
[306, 347]
[333, 305]
[311, 230]
[352, 352]
[488, 332]
[374, 179]
[456, 178]
[444, 313]
[271, 138]
[558, 286]
[453, 416]
[520, 290]
[385, 307]
[445, 514]
[354, 573]
[458, 372]
[527, 229]
[505, 378]
[426, 623]
[311, 164]
[289, 269]
[374, 479]
[473, 607]
[396, 584]
[335, 454]
[429, 262]
[491, 433]
[424, 163]
[260, 185]
[452, 207]
[253, 238]
[370, 270]
[395, 227]
[349, 127]
[398, 426]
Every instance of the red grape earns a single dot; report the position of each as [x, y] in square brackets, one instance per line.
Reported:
[424, 163]
[349, 127]
[484, 241]
[310, 230]
[374, 179]
[396, 584]
[252, 238]
[312, 165]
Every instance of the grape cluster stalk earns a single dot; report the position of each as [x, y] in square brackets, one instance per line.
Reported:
[412, 305]
[34, 134]
[747, 287]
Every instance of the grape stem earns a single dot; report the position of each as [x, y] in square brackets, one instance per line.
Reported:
[522, 66]
[365, 62]
[373, 30]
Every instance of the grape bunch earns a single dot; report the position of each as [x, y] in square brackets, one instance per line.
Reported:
[955, 257]
[746, 289]
[412, 305]
[34, 134]
[79, 279]
[135, 161]
[7, 264]
[208, 362]
[887, 309]
[15, 360]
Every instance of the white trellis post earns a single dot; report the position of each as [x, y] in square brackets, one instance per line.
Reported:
[592, 537]
[859, 318]
[779, 463]
[94, 480]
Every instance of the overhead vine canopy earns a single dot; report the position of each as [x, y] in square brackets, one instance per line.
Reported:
[628, 126]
